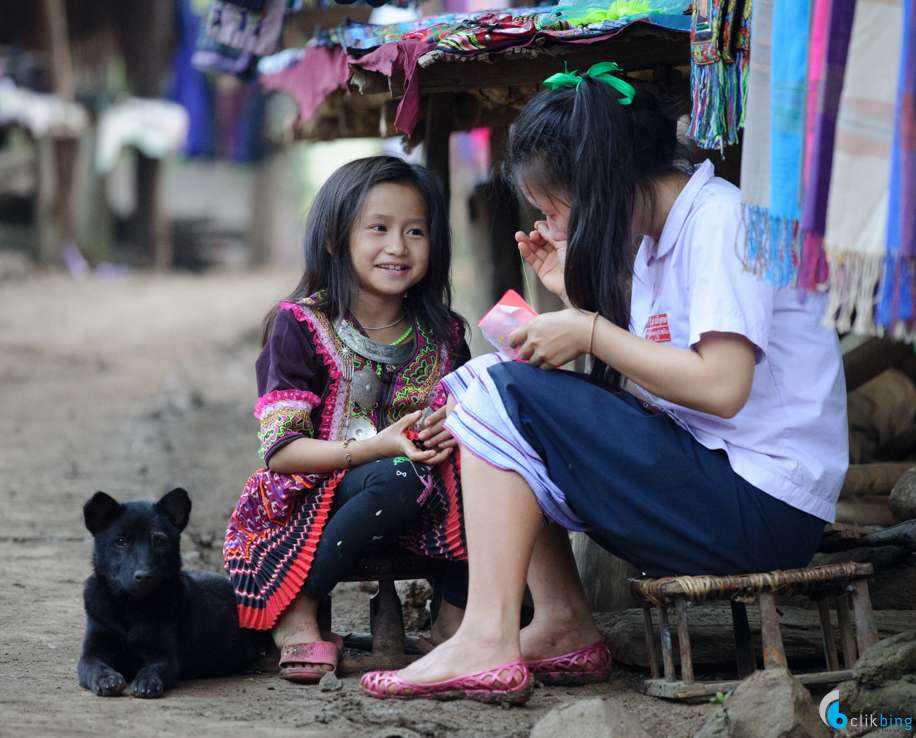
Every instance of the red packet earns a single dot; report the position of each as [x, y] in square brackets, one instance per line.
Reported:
[504, 317]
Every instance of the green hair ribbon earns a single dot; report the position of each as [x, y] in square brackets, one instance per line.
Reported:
[600, 71]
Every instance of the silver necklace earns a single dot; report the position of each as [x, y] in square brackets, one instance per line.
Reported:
[379, 327]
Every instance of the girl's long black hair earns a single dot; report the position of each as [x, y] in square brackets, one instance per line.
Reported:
[583, 146]
[328, 265]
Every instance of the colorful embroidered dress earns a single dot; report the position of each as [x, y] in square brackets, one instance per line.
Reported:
[303, 393]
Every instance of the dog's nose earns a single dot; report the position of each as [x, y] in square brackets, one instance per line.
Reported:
[142, 575]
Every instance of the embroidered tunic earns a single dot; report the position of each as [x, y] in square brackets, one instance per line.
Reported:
[303, 393]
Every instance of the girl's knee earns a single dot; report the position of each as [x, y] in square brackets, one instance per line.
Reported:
[399, 480]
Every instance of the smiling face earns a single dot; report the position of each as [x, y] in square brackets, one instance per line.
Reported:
[555, 210]
[389, 242]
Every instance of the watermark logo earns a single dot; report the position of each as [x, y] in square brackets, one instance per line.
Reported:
[829, 711]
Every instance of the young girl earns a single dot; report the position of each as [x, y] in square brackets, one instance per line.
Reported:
[349, 362]
[731, 463]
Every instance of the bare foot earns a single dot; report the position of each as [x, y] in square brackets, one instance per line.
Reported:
[458, 656]
[447, 624]
[544, 639]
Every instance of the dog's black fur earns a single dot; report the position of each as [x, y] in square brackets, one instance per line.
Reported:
[147, 621]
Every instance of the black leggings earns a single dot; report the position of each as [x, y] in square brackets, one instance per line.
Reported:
[374, 504]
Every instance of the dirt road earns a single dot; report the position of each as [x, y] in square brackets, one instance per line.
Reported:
[134, 387]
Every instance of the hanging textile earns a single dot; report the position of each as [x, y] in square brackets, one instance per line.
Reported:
[719, 49]
[895, 309]
[254, 31]
[319, 72]
[827, 82]
[856, 234]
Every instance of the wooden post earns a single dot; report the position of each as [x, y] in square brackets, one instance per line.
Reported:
[830, 654]
[650, 642]
[683, 639]
[774, 655]
[603, 576]
[386, 620]
[56, 189]
[744, 646]
[665, 635]
[438, 135]
[866, 630]
[262, 232]
[847, 642]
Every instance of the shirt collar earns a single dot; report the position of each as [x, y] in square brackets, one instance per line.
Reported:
[699, 176]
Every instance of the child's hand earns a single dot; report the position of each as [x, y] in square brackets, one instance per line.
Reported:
[435, 435]
[546, 256]
[552, 339]
[393, 441]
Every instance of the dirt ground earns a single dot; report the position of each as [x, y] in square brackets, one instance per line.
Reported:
[134, 387]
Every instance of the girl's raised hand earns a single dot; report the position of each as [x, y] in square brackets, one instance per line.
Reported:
[552, 339]
[434, 435]
[546, 256]
[393, 441]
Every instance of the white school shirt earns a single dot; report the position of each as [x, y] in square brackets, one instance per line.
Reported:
[791, 438]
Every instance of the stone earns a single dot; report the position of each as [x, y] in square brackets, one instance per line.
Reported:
[902, 502]
[884, 679]
[711, 636]
[768, 704]
[330, 683]
[594, 718]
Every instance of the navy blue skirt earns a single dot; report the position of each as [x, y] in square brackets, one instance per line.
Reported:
[650, 493]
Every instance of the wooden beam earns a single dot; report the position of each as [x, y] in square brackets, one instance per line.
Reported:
[873, 479]
[55, 13]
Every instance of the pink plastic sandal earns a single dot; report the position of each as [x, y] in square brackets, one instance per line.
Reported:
[326, 652]
[509, 683]
[585, 666]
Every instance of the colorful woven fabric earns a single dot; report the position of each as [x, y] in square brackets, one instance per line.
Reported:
[488, 32]
[856, 234]
[719, 50]
[895, 311]
[812, 269]
[274, 531]
[772, 216]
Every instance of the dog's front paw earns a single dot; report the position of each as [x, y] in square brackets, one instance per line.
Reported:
[109, 685]
[148, 686]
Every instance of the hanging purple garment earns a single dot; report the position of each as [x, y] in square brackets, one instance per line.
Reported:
[812, 266]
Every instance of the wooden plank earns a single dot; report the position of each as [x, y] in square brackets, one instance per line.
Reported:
[704, 690]
[641, 48]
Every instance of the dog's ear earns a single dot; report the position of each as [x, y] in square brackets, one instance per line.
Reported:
[100, 511]
[177, 507]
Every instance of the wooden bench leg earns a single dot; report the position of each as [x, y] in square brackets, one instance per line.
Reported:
[386, 620]
[665, 636]
[866, 630]
[650, 642]
[774, 655]
[683, 638]
[744, 644]
[847, 642]
[833, 663]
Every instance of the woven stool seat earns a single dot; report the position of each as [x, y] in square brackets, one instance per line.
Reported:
[844, 583]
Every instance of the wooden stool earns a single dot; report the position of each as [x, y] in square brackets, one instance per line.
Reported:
[388, 642]
[845, 583]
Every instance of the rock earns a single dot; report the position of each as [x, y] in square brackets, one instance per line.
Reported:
[884, 679]
[769, 704]
[330, 683]
[879, 411]
[594, 718]
[711, 639]
[414, 594]
[902, 502]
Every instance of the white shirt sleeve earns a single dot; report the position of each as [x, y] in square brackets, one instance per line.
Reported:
[724, 296]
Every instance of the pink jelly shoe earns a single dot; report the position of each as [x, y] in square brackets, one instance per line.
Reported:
[509, 683]
[585, 666]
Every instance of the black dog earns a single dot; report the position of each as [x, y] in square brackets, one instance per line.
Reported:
[147, 621]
